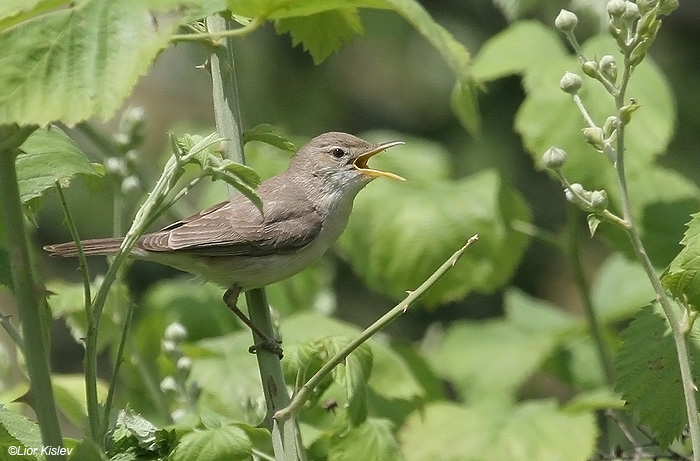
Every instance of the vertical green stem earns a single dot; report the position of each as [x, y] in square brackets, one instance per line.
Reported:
[228, 123]
[26, 293]
[678, 332]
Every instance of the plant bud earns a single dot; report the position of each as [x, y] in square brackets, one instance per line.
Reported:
[570, 83]
[599, 200]
[168, 385]
[631, 12]
[627, 110]
[616, 8]
[590, 68]
[184, 365]
[608, 67]
[175, 332]
[594, 136]
[115, 166]
[565, 21]
[610, 126]
[130, 184]
[574, 193]
[554, 158]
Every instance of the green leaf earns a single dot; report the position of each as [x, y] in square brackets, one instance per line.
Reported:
[620, 289]
[224, 443]
[467, 346]
[322, 34]
[48, 156]
[17, 430]
[70, 396]
[532, 430]
[266, 133]
[138, 438]
[275, 9]
[548, 117]
[82, 61]
[374, 439]
[648, 375]
[682, 277]
[536, 315]
[352, 376]
[399, 233]
[67, 302]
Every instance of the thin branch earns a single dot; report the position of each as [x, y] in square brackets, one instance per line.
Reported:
[304, 392]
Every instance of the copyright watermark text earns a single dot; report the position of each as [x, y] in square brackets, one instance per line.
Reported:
[18, 450]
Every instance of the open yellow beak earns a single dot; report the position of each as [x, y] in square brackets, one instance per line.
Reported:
[361, 162]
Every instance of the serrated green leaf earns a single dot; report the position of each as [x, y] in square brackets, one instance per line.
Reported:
[682, 277]
[48, 155]
[82, 61]
[275, 9]
[648, 375]
[322, 34]
[18, 430]
[352, 376]
[390, 377]
[225, 443]
[374, 439]
[266, 133]
[532, 430]
[399, 233]
[461, 355]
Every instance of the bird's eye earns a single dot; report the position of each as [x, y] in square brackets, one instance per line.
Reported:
[337, 152]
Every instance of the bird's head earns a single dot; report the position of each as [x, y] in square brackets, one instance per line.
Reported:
[341, 159]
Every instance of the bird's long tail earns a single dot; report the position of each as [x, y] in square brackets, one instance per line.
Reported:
[90, 247]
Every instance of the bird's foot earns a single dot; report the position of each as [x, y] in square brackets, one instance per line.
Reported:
[266, 342]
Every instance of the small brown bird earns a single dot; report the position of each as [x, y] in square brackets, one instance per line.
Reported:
[305, 209]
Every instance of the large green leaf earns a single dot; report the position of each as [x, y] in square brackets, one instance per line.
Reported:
[532, 430]
[18, 431]
[82, 61]
[322, 34]
[467, 346]
[648, 375]
[48, 156]
[276, 9]
[399, 233]
[228, 443]
[548, 117]
[620, 289]
[682, 278]
[374, 439]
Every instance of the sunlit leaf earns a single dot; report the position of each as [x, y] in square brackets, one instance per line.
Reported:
[682, 277]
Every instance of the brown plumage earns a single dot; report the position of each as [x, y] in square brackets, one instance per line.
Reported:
[305, 209]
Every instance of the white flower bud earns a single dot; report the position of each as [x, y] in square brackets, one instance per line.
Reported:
[554, 158]
[566, 21]
[175, 332]
[570, 83]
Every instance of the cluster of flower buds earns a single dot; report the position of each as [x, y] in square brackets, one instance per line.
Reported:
[175, 385]
[121, 167]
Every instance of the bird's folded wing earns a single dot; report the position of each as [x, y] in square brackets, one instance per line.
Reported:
[238, 228]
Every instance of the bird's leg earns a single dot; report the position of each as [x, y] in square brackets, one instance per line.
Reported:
[270, 344]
